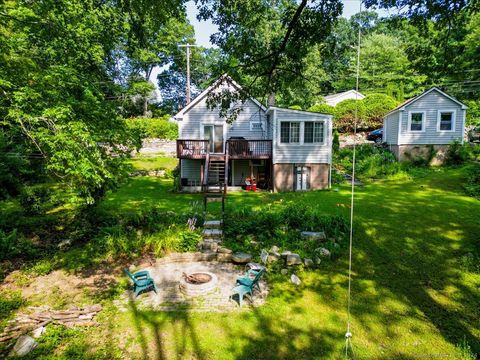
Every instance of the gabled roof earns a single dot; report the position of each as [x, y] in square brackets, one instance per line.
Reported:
[402, 106]
[334, 96]
[204, 93]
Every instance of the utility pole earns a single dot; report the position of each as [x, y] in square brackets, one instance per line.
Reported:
[188, 46]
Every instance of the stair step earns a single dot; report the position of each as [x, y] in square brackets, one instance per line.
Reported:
[212, 233]
[212, 224]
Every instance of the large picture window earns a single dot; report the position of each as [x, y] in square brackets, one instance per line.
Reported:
[417, 121]
[313, 132]
[290, 132]
[446, 121]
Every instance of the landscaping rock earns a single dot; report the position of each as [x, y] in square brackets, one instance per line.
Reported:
[284, 271]
[293, 259]
[222, 257]
[264, 256]
[311, 235]
[308, 263]
[131, 268]
[285, 254]
[38, 332]
[224, 250]
[274, 249]
[318, 260]
[272, 257]
[322, 252]
[23, 346]
[62, 245]
[295, 279]
[241, 258]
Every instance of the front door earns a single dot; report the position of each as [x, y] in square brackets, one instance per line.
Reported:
[302, 178]
[214, 133]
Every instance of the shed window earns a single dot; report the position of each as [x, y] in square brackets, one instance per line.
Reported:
[313, 132]
[289, 132]
[416, 122]
[445, 121]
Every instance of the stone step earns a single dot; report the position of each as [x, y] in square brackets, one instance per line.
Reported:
[212, 233]
[212, 224]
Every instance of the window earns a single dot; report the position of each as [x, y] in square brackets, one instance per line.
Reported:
[256, 126]
[289, 132]
[446, 121]
[313, 132]
[416, 121]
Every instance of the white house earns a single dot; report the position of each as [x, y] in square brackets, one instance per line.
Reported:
[334, 99]
[282, 149]
[431, 120]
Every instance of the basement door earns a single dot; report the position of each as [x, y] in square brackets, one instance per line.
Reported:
[302, 178]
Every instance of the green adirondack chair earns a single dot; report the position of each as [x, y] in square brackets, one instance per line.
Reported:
[251, 278]
[246, 285]
[141, 282]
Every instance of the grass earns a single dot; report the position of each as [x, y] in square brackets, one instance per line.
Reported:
[412, 295]
[148, 163]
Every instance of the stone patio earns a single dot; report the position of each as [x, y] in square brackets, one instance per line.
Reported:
[167, 273]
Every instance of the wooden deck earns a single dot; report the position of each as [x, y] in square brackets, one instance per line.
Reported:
[236, 149]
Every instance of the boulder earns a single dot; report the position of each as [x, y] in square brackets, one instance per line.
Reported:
[322, 252]
[293, 259]
[222, 257]
[38, 332]
[318, 260]
[311, 235]
[241, 258]
[274, 249]
[224, 250]
[295, 279]
[284, 271]
[285, 254]
[308, 263]
[272, 257]
[62, 245]
[23, 346]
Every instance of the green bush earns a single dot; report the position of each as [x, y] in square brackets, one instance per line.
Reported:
[34, 200]
[9, 301]
[472, 184]
[159, 128]
[8, 244]
[345, 115]
[376, 107]
[323, 109]
[457, 153]
[371, 162]
[281, 227]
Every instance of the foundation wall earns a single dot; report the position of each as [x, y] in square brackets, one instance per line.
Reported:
[284, 176]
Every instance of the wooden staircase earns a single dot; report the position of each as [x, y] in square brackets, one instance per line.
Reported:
[215, 178]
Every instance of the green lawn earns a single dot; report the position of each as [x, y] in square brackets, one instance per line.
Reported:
[413, 295]
[153, 163]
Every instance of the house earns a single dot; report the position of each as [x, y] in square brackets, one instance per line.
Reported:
[282, 149]
[334, 99]
[426, 123]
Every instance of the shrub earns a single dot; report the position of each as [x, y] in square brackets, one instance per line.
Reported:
[323, 109]
[282, 227]
[345, 115]
[472, 184]
[336, 141]
[8, 244]
[159, 128]
[376, 107]
[34, 199]
[9, 301]
[457, 153]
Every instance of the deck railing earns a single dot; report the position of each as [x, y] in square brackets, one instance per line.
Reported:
[192, 149]
[249, 149]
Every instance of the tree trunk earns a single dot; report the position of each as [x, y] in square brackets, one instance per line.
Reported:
[271, 99]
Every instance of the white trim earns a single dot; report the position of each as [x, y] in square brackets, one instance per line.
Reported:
[384, 131]
[409, 123]
[412, 100]
[273, 120]
[215, 84]
[256, 122]
[301, 138]
[454, 116]
[399, 135]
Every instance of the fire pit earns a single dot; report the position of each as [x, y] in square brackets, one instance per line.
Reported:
[197, 284]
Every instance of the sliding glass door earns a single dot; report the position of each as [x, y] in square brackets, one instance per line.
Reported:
[214, 133]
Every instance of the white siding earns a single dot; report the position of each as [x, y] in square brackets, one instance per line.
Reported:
[300, 152]
[390, 128]
[431, 104]
[190, 126]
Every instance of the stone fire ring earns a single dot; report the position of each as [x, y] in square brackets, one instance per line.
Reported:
[189, 289]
